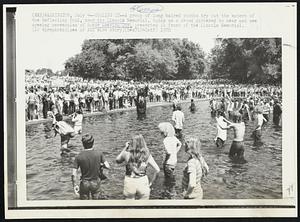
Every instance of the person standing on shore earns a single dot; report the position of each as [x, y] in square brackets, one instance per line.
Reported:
[31, 103]
[91, 163]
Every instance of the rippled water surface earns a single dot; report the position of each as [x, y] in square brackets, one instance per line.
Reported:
[49, 175]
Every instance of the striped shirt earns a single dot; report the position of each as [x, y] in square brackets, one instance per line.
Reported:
[193, 166]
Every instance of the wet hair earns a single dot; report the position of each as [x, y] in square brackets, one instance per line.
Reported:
[193, 147]
[58, 117]
[139, 152]
[237, 118]
[87, 141]
[79, 111]
[220, 113]
[167, 129]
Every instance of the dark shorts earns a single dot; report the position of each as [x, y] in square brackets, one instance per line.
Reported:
[237, 150]
[90, 189]
[276, 119]
[65, 139]
[266, 116]
[170, 182]
[178, 133]
[257, 137]
[219, 142]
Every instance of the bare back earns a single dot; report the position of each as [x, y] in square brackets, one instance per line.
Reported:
[239, 131]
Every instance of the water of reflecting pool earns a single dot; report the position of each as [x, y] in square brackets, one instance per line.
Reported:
[49, 175]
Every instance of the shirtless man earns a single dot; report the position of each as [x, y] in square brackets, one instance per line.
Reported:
[237, 147]
[257, 134]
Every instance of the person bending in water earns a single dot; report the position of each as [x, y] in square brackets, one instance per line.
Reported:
[77, 118]
[65, 131]
[236, 151]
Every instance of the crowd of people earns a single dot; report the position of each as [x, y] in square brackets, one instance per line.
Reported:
[65, 94]
[229, 112]
[231, 105]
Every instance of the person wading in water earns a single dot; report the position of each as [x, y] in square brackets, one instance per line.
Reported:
[236, 152]
[141, 107]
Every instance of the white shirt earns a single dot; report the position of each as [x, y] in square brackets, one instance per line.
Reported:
[172, 146]
[77, 120]
[230, 106]
[67, 97]
[221, 133]
[266, 108]
[178, 118]
[260, 121]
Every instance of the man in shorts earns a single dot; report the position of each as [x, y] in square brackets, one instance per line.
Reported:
[91, 163]
[236, 152]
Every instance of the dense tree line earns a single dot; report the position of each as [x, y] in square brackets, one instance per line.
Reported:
[243, 60]
[247, 60]
[139, 59]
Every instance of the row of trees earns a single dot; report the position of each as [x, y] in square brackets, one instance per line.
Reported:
[45, 71]
[246, 60]
[140, 59]
[243, 60]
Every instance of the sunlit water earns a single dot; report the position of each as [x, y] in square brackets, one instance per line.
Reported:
[49, 174]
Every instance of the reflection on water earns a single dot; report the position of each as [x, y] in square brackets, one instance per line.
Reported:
[49, 175]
